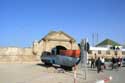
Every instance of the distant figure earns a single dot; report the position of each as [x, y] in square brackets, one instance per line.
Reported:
[103, 62]
[98, 65]
[119, 61]
[95, 59]
[114, 62]
[95, 56]
[92, 62]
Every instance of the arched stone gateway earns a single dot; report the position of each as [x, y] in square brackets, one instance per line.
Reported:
[56, 50]
[54, 40]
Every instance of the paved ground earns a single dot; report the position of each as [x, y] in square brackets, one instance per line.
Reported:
[38, 73]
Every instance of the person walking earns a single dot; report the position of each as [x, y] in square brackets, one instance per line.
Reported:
[103, 63]
[113, 62]
[98, 65]
[92, 62]
[119, 61]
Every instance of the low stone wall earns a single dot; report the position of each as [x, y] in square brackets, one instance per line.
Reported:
[14, 54]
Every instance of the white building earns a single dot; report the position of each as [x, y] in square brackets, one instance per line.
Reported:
[108, 49]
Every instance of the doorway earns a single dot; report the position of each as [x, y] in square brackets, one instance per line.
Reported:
[56, 50]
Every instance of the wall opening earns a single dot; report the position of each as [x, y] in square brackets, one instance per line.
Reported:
[56, 50]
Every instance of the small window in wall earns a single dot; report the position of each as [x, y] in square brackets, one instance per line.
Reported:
[99, 52]
[108, 52]
[90, 52]
[123, 52]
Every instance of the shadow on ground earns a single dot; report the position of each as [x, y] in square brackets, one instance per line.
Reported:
[54, 66]
[48, 66]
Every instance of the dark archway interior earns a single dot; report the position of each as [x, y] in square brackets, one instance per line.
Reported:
[56, 50]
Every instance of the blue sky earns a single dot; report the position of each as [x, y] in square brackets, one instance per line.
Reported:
[23, 21]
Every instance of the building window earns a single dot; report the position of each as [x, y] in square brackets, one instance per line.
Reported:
[123, 52]
[99, 52]
[90, 52]
[108, 52]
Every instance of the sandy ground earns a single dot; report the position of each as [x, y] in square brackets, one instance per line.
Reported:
[38, 73]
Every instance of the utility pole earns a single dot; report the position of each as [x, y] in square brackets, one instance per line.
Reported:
[84, 56]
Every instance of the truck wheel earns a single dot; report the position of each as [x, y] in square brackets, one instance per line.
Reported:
[66, 68]
[48, 64]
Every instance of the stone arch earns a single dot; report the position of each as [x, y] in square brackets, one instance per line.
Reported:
[53, 39]
[56, 49]
[48, 45]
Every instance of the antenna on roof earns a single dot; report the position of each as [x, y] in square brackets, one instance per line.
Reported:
[95, 38]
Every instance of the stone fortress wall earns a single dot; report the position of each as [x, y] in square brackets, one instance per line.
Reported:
[14, 54]
[47, 43]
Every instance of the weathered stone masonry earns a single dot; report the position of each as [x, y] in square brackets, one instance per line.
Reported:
[51, 40]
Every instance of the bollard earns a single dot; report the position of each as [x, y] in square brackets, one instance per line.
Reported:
[75, 73]
[105, 80]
